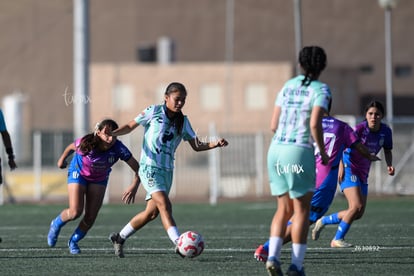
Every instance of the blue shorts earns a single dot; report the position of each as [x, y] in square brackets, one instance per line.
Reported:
[351, 180]
[155, 179]
[323, 196]
[291, 169]
[74, 177]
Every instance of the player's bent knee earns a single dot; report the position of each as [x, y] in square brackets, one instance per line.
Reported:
[74, 214]
[153, 216]
[359, 214]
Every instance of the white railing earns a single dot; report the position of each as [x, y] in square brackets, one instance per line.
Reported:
[235, 172]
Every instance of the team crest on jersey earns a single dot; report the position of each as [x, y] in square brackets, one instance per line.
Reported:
[151, 182]
[150, 178]
[354, 178]
[111, 159]
[381, 141]
[75, 175]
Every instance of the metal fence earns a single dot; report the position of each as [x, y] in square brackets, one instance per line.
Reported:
[237, 172]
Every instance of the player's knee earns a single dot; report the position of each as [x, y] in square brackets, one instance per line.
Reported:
[164, 207]
[356, 210]
[149, 215]
[359, 214]
[74, 214]
[153, 215]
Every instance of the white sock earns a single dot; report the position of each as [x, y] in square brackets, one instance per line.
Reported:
[275, 247]
[127, 231]
[173, 233]
[298, 254]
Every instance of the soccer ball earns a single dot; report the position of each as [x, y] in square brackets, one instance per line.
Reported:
[190, 244]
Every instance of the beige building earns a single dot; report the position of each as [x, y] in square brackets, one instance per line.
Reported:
[37, 57]
[237, 98]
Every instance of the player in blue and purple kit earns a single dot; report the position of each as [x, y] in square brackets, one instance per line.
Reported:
[88, 175]
[337, 136]
[375, 135]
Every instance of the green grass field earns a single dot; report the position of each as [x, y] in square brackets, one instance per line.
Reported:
[384, 240]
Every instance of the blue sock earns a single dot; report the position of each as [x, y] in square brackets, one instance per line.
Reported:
[266, 246]
[331, 219]
[343, 228]
[58, 222]
[78, 235]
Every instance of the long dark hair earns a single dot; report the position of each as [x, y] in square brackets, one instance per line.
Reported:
[91, 141]
[178, 119]
[313, 61]
[377, 104]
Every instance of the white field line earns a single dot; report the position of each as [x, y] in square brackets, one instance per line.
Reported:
[219, 250]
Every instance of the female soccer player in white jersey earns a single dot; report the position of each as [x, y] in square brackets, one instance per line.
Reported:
[165, 126]
[297, 118]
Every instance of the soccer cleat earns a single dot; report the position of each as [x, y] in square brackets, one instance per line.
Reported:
[294, 271]
[340, 244]
[73, 247]
[260, 254]
[118, 243]
[317, 229]
[53, 234]
[273, 268]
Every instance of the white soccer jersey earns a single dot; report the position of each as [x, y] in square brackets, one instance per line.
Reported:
[296, 102]
[161, 137]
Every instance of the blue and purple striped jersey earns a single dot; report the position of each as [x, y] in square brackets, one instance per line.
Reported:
[374, 141]
[337, 135]
[96, 165]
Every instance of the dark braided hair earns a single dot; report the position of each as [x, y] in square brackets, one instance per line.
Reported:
[91, 141]
[178, 119]
[312, 59]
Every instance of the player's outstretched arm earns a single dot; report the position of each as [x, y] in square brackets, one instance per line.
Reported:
[125, 129]
[61, 163]
[363, 150]
[198, 145]
[129, 194]
[9, 149]
[388, 159]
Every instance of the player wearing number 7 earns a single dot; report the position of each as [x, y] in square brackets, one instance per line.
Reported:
[353, 177]
[338, 135]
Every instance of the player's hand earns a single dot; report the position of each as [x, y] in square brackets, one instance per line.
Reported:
[12, 164]
[391, 170]
[222, 143]
[325, 158]
[62, 164]
[128, 196]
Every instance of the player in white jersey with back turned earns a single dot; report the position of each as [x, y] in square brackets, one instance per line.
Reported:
[296, 119]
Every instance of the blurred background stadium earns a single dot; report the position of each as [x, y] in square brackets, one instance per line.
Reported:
[232, 55]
